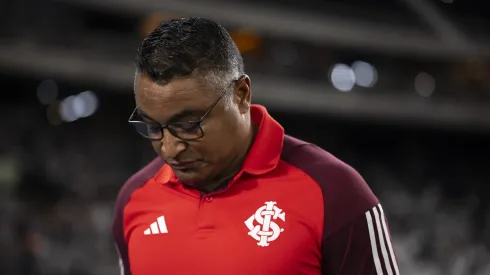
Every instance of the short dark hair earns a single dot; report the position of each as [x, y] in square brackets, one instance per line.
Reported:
[182, 47]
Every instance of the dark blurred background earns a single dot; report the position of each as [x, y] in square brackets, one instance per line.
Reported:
[398, 89]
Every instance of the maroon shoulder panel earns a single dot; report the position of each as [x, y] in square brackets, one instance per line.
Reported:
[135, 182]
[345, 193]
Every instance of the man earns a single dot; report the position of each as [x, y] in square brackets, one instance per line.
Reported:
[231, 193]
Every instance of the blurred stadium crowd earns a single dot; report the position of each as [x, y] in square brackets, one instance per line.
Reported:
[390, 87]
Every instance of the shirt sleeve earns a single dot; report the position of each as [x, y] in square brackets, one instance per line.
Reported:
[121, 245]
[133, 183]
[123, 265]
[361, 247]
[356, 239]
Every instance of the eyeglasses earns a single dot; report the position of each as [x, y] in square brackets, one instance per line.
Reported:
[186, 130]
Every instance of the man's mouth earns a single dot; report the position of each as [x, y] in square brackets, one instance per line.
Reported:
[183, 165]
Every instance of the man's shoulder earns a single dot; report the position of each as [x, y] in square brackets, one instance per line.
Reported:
[314, 160]
[297, 148]
[138, 179]
[345, 192]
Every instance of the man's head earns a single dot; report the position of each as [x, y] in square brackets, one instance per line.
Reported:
[185, 68]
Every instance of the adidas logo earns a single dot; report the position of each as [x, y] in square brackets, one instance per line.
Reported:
[158, 227]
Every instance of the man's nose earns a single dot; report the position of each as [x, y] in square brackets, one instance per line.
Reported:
[171, 146]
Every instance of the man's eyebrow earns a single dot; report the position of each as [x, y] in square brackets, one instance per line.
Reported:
[145, 116]
[175, 117]
[184, 113]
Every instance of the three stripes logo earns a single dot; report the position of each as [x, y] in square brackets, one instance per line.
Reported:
[381, 246]
[158, 227]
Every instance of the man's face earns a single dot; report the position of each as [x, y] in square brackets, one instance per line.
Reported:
[225, 127]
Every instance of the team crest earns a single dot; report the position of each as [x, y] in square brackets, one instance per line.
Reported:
[262, 224]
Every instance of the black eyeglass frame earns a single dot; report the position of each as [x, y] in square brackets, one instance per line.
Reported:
[197, 123]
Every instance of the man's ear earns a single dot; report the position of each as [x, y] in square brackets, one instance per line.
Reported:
[243, 94]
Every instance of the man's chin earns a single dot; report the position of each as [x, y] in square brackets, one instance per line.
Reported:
[189, 176]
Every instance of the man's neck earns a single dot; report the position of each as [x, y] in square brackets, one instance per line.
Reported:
[231, 170]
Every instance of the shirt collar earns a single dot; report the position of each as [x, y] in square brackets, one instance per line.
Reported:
[265, 153]
[166, 175]
[266, 150]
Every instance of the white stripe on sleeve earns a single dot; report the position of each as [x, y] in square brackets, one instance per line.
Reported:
[379, 237]
[382, 243]
[374, 247]
[121, 264]
[121, 267]
[388, 240]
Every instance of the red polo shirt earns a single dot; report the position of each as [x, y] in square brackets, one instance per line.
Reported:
[292, 209]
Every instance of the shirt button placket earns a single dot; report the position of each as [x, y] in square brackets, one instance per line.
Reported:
[206, 217]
